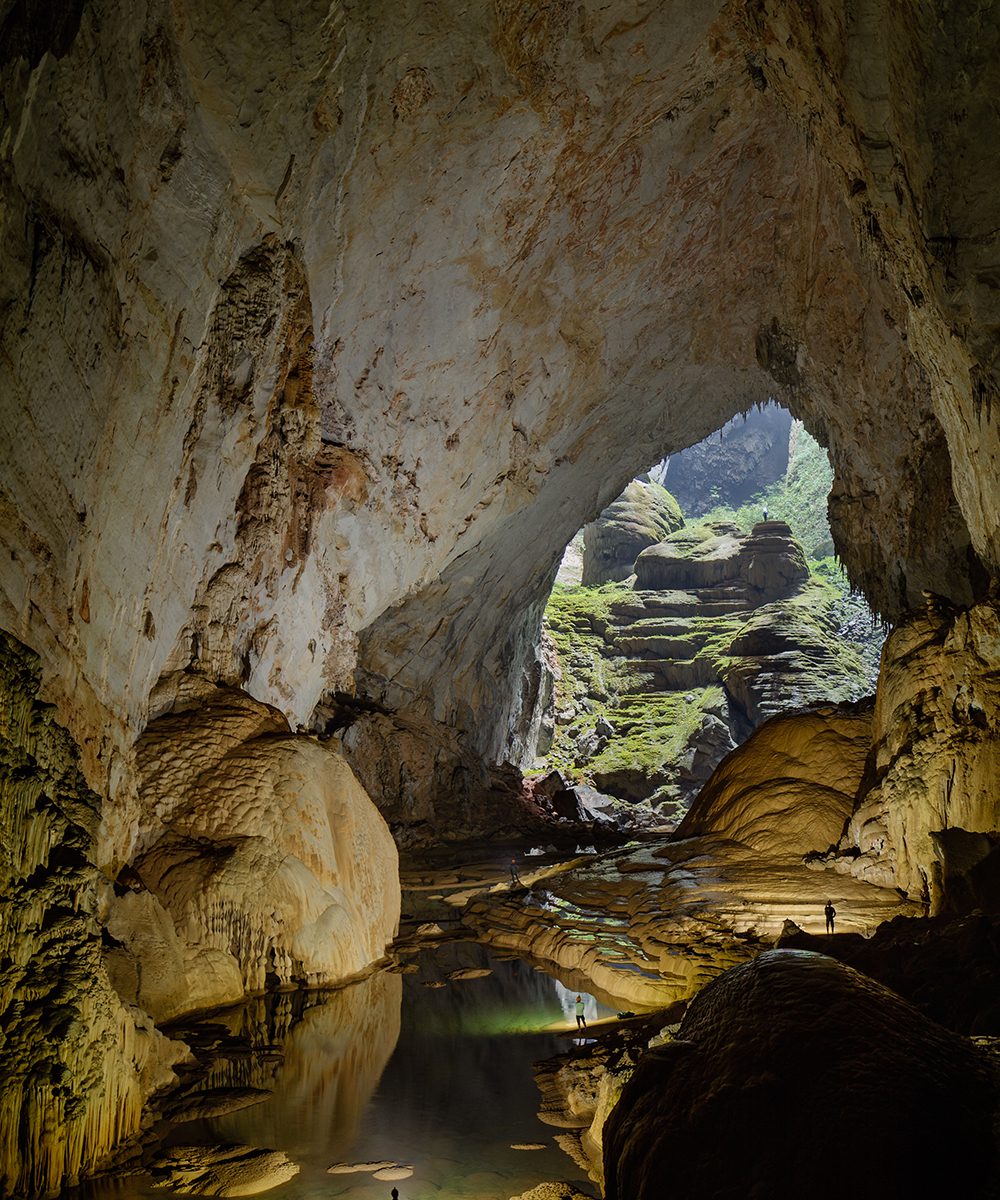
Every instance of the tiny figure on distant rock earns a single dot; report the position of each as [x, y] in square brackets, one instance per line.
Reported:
[581, 1020]
[765, 512]
[831, 912]
[515, 878]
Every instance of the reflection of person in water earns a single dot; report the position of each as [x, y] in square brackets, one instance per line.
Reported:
[581, 1020]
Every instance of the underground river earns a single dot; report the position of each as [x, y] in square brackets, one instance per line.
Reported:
[414, 1069]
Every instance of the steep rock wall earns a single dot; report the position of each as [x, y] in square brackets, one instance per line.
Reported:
[76, 1064]
[937, 751]
[385, 281]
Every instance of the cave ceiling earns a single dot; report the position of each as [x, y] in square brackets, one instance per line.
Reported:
[323, 331]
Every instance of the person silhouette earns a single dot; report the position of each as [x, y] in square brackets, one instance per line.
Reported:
[394, 1194]
[831, 912]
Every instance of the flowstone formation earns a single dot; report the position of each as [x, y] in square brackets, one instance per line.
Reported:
[261, 861]
[797, 1059]
[655, 684]
[76, 1064]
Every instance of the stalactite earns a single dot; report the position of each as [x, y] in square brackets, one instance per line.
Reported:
[72, 1057]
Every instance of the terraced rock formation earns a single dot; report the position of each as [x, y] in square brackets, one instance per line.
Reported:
[641, 516]
[659, 682]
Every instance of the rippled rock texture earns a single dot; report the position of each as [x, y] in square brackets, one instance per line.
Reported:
[261, 861]
[780, 1070]
[790, 788]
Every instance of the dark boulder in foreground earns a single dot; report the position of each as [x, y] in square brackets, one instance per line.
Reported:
[796, 1076]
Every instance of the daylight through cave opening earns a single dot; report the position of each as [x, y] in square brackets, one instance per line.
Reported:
[312, 362]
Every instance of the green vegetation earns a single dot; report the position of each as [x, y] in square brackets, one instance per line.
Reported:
[798, 498]
[644, 696]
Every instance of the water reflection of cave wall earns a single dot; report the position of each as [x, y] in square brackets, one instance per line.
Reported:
[332, 1050]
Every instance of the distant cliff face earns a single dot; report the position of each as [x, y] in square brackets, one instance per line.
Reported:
[750, 452]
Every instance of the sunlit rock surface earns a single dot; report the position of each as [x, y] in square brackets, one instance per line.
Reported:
[781, 1069]
[261, 860]
[651, 925]
[654, 685]
[937, 758]
[790, 788]
[641, 516]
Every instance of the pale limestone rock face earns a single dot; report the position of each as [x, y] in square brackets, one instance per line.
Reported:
[937, 749]
[356, 322]
[261, 855]
[790, 787]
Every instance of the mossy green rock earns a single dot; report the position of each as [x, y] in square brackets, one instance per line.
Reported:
[643, 515]
[657, 684]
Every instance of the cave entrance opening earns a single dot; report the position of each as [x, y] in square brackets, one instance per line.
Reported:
[704, 600]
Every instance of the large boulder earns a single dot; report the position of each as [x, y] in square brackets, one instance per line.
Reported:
[794, 1076]
[790, 787]
[263, 861]
[643, 515]
[702, 556]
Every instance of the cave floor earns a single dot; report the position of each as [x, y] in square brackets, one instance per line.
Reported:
[650, 923]
[429, 1064]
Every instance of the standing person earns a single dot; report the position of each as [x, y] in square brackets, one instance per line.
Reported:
[831, 912]
[581, 1020]
[514, 877]
[765, 512]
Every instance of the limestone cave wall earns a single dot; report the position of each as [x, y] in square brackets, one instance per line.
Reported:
[321, 332]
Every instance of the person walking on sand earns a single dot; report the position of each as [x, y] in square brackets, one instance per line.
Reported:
[515, 878]
[581, 1020]
[831, 912]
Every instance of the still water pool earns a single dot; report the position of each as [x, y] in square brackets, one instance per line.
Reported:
[392, 1068]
